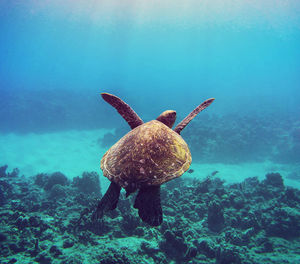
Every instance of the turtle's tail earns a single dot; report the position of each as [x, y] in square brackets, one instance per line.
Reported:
[108, 202]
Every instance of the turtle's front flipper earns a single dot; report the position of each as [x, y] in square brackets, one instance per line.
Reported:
[108, 202]
[147, 202]
[190, 117]
[124, 110]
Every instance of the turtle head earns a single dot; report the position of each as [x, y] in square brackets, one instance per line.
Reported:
[167, 117]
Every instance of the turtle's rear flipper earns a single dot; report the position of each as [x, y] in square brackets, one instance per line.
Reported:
[147, 202]
[108, 202]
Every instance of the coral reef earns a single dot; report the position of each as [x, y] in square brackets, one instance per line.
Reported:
[88, 183]
[48, 181]
[205, 221]
[237, 138]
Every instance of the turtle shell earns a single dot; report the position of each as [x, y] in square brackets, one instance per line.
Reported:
[150, 154]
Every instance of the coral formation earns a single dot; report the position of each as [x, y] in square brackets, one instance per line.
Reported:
[88, 183]
[55, 178]
[237, 138]
[206, 221]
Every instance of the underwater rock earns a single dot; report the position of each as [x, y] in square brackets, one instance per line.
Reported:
[41, 179]
[239, 139]
[215, 217]
[249, 221]
[139, 231]
[174, 245]
[176, 193]
[237, 200]
[274, 179]
[210, 184]
[175, 240]
[81, 199]
[68, 243]
[88, 183]
[254, 219]
[124, 205]
[22, 223]
[55, 251]
[57, 191]
[113, 256]
[6, 191]
[226, 255]
[14, 173]
[2, 196]
[238, 238]
[35, 250]
[55, 178]
[292, 195]
[246, 188]
[3, 171]
[17, 247]
[169, 211]
[285, 223]
[130, 223]
[191, 253]
[34, 221]
[149, 249]
[206, 247]
[265, 247]
[3, 237]
[43, 258]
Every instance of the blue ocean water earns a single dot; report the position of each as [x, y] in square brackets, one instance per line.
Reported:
[56, 57]
[156, 55]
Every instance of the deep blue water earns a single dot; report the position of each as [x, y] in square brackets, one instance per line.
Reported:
[57, 56]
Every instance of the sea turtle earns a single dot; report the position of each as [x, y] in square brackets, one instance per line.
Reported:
[146, 157]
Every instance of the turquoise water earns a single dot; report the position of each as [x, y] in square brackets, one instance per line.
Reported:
[56, 57]
[160, 55]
